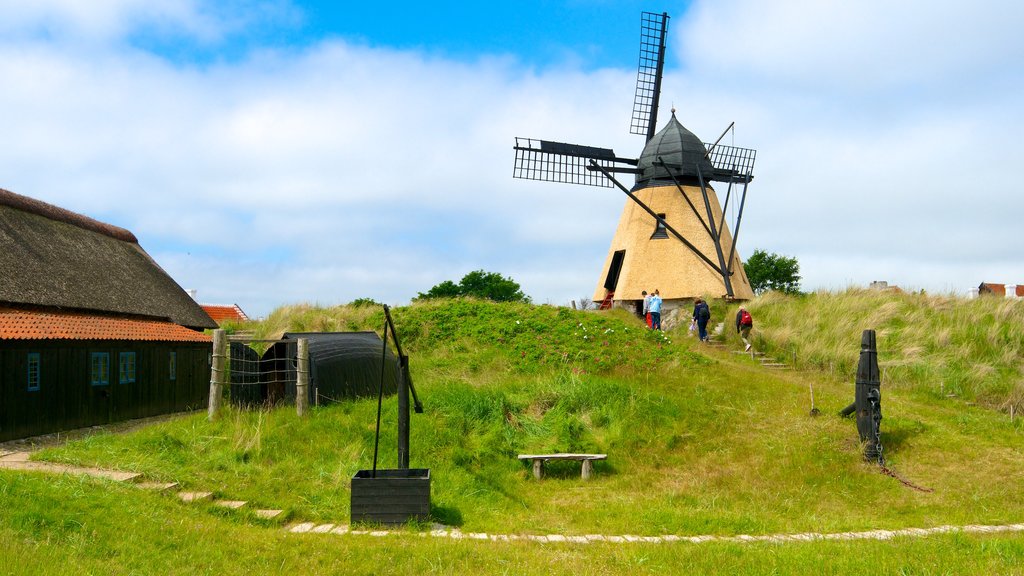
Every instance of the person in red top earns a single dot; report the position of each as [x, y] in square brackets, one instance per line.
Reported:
[744, 322]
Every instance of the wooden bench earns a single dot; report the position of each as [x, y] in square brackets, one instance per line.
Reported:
[539, 459]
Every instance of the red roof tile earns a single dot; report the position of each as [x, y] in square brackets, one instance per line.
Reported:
[30, 325]
[225, 313]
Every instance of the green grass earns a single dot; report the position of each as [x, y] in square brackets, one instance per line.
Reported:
[700, 441]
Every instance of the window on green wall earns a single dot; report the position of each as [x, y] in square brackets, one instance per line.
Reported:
[99, 373]
[174, 365]
[126, 367]
[33, 371]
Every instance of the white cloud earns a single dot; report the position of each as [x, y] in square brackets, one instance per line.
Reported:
[885, 152]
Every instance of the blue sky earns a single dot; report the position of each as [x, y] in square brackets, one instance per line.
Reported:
[582, 34]
[276, 152]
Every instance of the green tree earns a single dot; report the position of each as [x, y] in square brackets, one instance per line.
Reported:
[446, 289]
[770, 271]
[478, 284]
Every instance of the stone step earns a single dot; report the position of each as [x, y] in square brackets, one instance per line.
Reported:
[157, 486]
[195, 496]
[52, 468]
[232, 504]
[17, 456]
[268, 514]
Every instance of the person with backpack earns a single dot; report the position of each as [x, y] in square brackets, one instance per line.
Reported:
[702, 314]
[744, 322]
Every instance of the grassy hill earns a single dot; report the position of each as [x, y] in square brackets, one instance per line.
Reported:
[700, 441]
[969, 348]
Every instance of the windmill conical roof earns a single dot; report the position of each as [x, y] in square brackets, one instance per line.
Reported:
[681, 150]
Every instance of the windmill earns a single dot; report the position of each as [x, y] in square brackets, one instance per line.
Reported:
[671, 199]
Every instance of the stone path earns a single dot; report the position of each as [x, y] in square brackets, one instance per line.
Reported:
[20, 461]
[454, 534]
[765, 361]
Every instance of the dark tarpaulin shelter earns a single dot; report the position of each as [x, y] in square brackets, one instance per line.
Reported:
[341, 365]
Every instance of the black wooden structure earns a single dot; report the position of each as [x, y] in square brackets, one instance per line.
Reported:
[92, 330]
[396, 495]
[867, 404]
[47, 385]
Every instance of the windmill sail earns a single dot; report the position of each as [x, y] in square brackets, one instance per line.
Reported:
[567, 163]
[653, 29]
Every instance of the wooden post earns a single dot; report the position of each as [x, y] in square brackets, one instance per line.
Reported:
[218, 375]
[573, 304]
[588, 469]
[538, 468]
[302, 378]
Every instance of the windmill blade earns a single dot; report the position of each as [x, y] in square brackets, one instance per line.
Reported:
[653, 30]
[568, 163]
[731, 163]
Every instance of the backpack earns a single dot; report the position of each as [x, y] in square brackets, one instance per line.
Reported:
[745, 319]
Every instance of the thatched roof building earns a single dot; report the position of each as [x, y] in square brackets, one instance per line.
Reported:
[55, 258]
[92, 330]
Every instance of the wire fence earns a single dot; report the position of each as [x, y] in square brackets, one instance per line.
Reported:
[262, 372]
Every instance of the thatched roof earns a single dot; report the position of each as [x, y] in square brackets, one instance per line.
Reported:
[55, 258]
[665, 263]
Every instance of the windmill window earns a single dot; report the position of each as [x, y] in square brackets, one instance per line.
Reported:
[173, 365]
[99, 371]
[126, 367]
[33, 371]
[659, 228]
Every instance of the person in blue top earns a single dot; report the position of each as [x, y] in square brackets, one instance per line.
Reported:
[655, 309]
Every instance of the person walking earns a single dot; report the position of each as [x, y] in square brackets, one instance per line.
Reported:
[702, 314]
[647, 308]
[744, 323]
[655, 307]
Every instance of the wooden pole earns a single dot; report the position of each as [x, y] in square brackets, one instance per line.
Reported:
[218, 375]
[302, 378]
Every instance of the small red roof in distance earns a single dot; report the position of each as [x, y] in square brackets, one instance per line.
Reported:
[225, 313]
[30, 325]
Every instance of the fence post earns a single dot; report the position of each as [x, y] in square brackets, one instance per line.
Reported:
[218, 375]
[302, 378]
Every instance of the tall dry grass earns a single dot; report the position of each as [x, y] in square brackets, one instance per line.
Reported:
[972, 348]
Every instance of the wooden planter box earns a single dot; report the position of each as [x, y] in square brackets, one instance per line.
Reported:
[395, 496]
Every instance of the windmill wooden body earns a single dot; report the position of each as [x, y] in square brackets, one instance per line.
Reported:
[672, 235]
